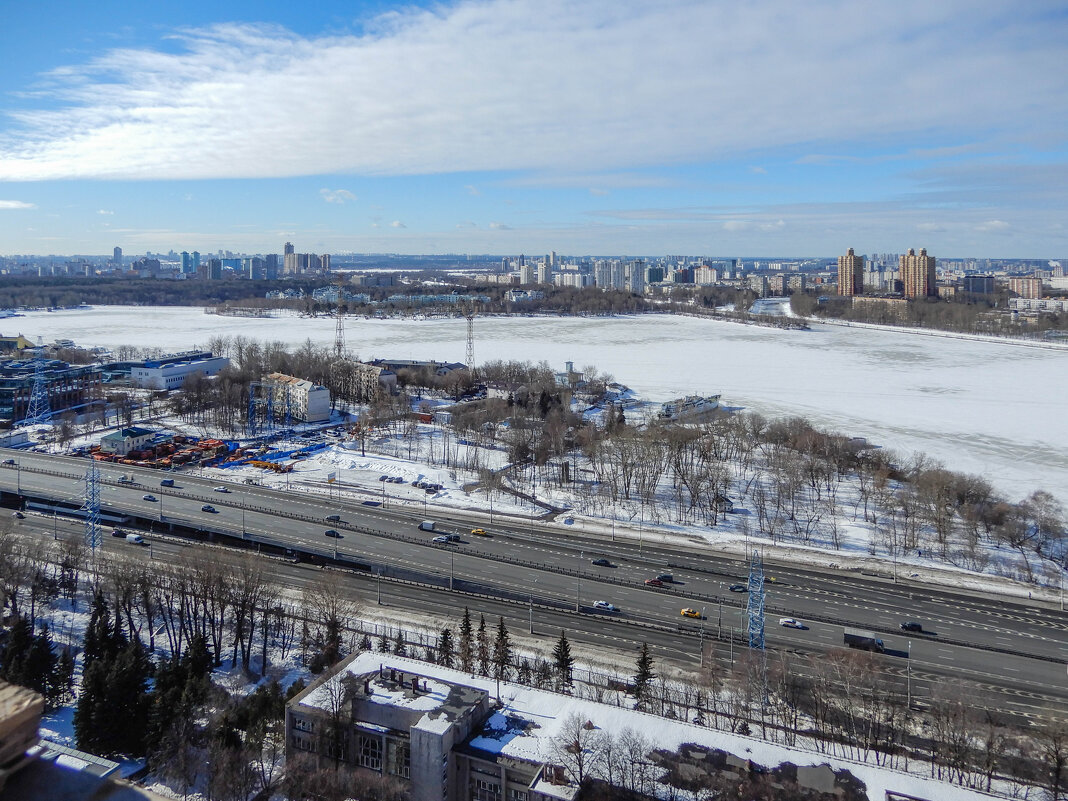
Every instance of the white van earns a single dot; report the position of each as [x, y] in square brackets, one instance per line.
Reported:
[135, 539]
[426, 525]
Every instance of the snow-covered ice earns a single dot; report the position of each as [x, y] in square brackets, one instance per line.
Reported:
[989, 408]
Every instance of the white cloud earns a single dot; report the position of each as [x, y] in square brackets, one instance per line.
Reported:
[735, 225]
[429, 90]
[472, 190]
[336, 195]
[598, 192]
[993, 225]
[397, 224]
[499, 226]
[105, 211]
[16, 204]
[758, 170]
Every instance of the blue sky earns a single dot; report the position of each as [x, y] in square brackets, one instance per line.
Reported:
[508, 126]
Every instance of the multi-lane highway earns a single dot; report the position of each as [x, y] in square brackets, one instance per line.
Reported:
[1013, 653]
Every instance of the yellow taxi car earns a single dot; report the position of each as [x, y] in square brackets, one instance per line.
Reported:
[479, 532]
[687, 612]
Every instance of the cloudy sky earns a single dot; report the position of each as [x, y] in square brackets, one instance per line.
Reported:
[508, 126]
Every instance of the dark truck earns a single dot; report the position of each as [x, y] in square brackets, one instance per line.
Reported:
[858, 638]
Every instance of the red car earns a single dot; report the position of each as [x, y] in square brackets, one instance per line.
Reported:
[654, 583]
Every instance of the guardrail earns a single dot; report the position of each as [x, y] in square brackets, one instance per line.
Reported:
[501, 593]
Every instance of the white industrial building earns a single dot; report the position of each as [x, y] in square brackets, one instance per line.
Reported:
[155, 375]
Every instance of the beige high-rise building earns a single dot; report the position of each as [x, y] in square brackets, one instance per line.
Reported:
[918, 274]
[850, 274]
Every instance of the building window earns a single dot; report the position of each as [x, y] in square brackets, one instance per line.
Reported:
[486, 791]
[300, 724]
[515, 794]
[302, 743]
[398, 758]
[370, 752]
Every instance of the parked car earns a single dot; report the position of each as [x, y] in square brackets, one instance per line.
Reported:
[383, 478]
[444, 539]
[738, 588]
[148, 497]
[604, 606]
[19, 516]
[790, 623]
[602, 562]
[912, 625]
[688, 612]
[220, 489]
[333, 533]
[654, 583]
[208, 508]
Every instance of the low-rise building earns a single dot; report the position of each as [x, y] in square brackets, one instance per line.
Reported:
[307, 400]
[69, 388]
[20, 720]
[171, 374]
[123, 441]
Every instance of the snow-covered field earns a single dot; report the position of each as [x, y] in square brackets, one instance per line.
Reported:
[990, 408]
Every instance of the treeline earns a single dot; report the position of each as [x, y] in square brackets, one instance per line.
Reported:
[964, 313]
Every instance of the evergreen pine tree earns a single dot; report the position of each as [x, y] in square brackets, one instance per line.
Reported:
[502, 651]
[39, 667]
[383, 644]
[563, 660]
[644, 675]
[63, 678]
[16, 650]
[398, 644]
[445, 647]
[482, 647]
[466, 655]
[98, 633]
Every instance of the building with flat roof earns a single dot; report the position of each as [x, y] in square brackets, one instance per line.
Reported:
[307, 401]
[171, 374]
[69, 388]
[20, 719]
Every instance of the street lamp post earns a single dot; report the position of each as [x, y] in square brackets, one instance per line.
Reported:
[908, 679]
[242, 522]
[578, 580]
[378, 573]
[452, 569]
[532, 605]
[702, 638]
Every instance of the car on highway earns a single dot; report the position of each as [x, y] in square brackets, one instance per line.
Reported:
[444, 539]
[912, 625]
[208, 508]
[148, 497]
[604, 606]
[479, 532]
[654, 583]
[333, 518]
[687, 612]
[602, 562]
[220, 489]
[738, 588]
[333, 533]
[118, 532]
[791, 623]
[9, 461]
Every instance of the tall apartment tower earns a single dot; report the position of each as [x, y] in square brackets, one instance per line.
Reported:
[289, 249]
[117, 257]
[850, 274]
[917, 273]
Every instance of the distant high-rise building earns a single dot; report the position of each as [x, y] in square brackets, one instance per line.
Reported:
[271, 266]
[117, 257]
[979, 284]
[196, 260]
[187, 263]
[1026, 287]
[850, 274]
[288, 248]
[918, 274]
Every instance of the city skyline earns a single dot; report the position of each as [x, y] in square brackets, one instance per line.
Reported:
[508, 127]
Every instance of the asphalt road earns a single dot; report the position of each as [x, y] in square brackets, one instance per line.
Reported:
[1011, 654]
